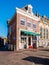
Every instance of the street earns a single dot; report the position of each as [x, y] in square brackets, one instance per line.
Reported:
[25, 57]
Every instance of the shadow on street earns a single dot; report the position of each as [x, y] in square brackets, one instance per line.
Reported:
[37, 60]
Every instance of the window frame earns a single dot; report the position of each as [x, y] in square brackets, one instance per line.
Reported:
[28, 24]
[22, 22]
[10, 29]
[33, 26]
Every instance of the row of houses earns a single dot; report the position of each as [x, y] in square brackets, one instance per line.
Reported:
[26, 29]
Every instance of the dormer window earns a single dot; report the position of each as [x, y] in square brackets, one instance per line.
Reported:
[29, 10]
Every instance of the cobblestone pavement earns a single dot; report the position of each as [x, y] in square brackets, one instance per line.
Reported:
[25, 57]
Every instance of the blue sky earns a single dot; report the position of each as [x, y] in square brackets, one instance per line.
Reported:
[7, 9]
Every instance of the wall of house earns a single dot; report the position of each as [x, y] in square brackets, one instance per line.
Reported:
[24, 27]
[12, 32]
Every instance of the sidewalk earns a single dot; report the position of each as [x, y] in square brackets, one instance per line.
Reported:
[44, 49]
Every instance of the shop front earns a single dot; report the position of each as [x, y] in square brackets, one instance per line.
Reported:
[28, 39]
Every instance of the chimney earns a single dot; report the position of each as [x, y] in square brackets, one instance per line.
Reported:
[37, 14]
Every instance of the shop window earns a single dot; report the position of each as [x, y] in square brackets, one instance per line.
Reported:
[34, 38]
[23, 40]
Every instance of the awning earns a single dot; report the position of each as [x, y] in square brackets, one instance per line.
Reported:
[30, 33]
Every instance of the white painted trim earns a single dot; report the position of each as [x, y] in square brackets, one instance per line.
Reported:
[30, 6]
[27, 14]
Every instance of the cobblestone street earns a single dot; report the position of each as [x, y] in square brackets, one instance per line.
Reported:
[25, 57]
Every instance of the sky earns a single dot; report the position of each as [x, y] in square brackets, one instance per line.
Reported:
[7, 10]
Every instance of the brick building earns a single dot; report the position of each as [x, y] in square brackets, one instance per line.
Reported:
[23, 29]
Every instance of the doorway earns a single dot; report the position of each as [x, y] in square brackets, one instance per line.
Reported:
[34, 38]
[29, 41]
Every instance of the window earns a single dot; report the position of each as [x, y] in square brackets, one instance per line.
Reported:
[28, 24]
[29, 10]
[10, 29]
[41, 32]
[34, 25]
[22, 22]
[14, 37]
[46, 33]
[34, 38]
[23, 40]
